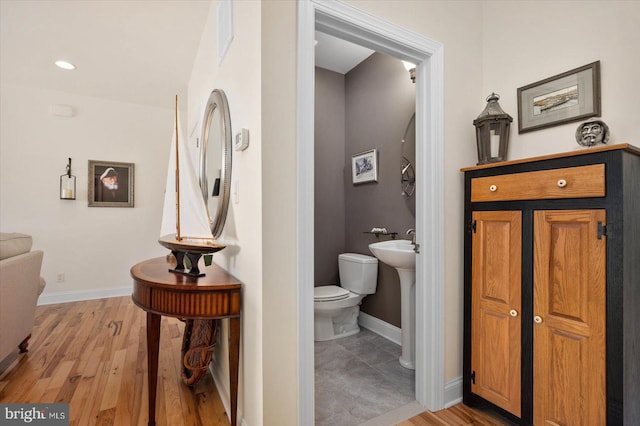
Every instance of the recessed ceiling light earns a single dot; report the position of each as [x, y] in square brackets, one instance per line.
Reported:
[65, 65]
[408, 65]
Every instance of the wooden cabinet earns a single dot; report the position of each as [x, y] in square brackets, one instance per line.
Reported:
[552, 288]
[569, 315]
[495, 307]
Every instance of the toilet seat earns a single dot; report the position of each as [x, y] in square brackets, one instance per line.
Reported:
[329, 293]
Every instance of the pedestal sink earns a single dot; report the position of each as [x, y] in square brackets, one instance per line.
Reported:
[400, 255]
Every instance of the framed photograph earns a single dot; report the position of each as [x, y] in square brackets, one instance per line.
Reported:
[110, 184]
[364, 166]
[563, 98]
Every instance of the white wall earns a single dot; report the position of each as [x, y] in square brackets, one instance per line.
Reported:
[239, 77]
[279, 214]
[528, 41]
[94, 246]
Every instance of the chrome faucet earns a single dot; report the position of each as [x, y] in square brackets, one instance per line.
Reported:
[416, 246]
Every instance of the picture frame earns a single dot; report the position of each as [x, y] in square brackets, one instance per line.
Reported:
[364, 166]
[111, 184]
[571, 96]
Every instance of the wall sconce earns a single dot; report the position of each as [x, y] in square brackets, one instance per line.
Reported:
[492, 132]
[411, 68]
[68, 184]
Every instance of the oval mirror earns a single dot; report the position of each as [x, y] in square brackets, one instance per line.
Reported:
[215, 160]
[408, 175]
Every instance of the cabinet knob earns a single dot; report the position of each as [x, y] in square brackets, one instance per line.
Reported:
[537, 319]
[513, 313]
[562, 183]
[493, 188]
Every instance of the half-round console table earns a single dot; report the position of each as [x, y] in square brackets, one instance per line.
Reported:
[214, 296]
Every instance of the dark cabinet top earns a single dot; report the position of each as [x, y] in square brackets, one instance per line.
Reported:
[603, 148]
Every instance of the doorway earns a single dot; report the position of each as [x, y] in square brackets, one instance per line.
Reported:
[364, 101]
[346, 22]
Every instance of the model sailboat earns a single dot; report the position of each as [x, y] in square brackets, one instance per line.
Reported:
[185, 228]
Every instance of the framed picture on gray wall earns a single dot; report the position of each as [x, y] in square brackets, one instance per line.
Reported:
[364, 166]
[110, 184]
[571, 96]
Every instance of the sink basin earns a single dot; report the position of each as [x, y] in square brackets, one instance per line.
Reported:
[396, 253]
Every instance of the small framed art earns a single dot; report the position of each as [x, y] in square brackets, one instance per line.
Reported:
[110, 184]
[364, 166]
[571, 96]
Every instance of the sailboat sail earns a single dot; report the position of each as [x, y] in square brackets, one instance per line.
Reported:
[194, 220]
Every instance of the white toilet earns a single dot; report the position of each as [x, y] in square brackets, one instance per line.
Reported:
[337, 308]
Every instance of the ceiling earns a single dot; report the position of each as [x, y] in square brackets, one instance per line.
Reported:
[338, 55]
[132, 51]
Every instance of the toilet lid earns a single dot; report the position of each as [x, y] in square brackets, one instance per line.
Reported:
[328, 293]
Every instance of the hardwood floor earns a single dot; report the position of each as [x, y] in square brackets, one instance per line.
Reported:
[92, 355]
[458, 415]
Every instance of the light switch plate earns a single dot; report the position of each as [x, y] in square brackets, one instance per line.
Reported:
[242, 140]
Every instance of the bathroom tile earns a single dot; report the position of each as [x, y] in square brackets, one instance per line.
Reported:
[339, 406]
[356, 340]
[355, 396]
[372, 354]
[387, 345]
[333, 359]
[358, 378]
[403, 378]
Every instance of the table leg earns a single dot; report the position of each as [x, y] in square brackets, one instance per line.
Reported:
[153, 346]
[234, 355]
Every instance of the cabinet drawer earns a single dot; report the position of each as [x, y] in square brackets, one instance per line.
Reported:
[571, 182]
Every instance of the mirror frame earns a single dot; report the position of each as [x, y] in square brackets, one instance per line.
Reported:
[217, 99]
[407, 170]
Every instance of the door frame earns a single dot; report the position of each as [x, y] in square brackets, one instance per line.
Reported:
[347, 22]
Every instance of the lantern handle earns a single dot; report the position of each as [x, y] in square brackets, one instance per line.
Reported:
[493, 97]
[69, 168]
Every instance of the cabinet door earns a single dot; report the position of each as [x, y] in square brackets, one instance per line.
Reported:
[569, 318]
[495, 308]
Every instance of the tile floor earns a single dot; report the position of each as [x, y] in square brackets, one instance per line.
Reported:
[358, 378]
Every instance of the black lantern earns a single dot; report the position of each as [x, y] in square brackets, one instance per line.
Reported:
[68, 184]
[492, 132]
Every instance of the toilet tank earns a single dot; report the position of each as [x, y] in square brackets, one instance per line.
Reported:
[358, 273]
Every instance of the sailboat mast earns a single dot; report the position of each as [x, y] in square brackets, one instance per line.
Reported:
[178, 236]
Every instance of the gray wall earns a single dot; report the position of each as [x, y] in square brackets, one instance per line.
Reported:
[330, 237]
[380, 100]
[377, 99]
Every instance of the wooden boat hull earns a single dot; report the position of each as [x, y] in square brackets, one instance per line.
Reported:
[190, 245]
[192, 249]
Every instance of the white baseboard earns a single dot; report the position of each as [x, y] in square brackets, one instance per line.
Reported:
[218, 378]
[453, 392]
[76, 296]
[384, 329]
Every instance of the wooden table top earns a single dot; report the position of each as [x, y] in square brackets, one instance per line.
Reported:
[155, 272]
[155, 289]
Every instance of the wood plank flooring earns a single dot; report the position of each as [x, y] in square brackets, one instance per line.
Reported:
[458, 415]
[92, 355]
